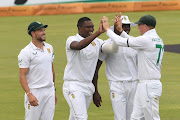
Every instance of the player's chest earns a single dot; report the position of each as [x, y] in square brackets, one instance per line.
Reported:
[41, 56]
[91, 51]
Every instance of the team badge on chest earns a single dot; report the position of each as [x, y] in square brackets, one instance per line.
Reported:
[48, 49]
[72, 95]
[93, 43]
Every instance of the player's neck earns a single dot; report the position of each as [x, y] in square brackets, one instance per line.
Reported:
[38, 44]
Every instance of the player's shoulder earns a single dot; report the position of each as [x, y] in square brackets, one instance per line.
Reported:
[108, 41]
[25, 50]
[100, 41]
[48, 45]
[72, 37]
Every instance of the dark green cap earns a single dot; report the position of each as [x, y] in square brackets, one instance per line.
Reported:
[35, 26]
[149, 20]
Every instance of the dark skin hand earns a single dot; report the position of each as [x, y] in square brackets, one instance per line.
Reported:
[86, 31]
[96, 96]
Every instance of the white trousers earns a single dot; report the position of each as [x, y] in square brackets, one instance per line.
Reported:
[122, 96]
[146, 102]
[45, 109]
[78, 96]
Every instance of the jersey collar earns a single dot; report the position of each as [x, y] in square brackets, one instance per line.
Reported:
[34, 47]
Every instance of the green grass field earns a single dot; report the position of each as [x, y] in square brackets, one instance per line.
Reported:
[14, 37]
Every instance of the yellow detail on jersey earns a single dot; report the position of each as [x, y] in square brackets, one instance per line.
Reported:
[29, 106]
[48, 49]
[72, 95]
[93, 43]
[113, 95]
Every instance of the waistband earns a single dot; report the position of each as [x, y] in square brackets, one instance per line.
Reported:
[148, 81]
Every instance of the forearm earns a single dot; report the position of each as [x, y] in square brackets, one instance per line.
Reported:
[95, 78]
[117, 39]
[24, 83]
[83, 43]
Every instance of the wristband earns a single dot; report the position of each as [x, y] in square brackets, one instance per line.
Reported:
[28, 93]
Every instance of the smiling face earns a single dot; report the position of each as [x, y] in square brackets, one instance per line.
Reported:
[86, 29]
[39, 34]
[126, 28]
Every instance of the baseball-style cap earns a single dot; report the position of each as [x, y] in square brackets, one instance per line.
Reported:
[149, 20]
[35, 26]
[125, 20]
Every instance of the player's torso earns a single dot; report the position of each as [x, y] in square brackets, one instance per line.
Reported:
[122, 65]
[150, 59]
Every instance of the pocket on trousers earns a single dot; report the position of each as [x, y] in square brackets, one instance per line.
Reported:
[154, 89]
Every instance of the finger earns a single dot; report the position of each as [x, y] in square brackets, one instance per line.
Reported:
[120, 14]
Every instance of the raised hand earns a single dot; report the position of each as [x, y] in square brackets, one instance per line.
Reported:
[105, 23]
[118, 22]
[101, 29]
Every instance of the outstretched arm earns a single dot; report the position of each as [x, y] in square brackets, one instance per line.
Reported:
[78, 45]
[96, 96]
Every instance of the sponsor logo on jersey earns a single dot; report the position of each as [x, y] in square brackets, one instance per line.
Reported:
[93, 43]
[29, 106]
[113, 95]
[20, 60]
[48, 49]
[35, 53]
[72, 95]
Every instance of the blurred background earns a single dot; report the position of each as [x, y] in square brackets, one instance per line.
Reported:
[62, 17]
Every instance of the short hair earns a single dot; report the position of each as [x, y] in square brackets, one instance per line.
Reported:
[81, 21]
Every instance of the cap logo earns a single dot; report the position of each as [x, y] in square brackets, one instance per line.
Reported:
[125, 18]
[38, 22]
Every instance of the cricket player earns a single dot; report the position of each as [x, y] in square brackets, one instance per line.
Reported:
[37, 75]
[150, 53]
[121, 71]
[82, 52]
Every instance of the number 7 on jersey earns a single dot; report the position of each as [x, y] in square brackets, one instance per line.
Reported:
[161, 48]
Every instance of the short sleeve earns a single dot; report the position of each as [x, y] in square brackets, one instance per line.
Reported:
[52, 53]
[70, 40]
[23, 59]
[102, 56]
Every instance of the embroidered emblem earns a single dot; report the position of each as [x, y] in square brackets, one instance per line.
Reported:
[93, 43]
[48, 49]
[72, 95]
[156, 98]
[38, 22]
[29, 106]
[125, 18]
[35, 53]
[113, 95]
[20, 60]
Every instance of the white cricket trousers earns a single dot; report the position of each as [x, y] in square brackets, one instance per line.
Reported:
[78, 96]
[146, 102]
[122, 97]
[45, 109]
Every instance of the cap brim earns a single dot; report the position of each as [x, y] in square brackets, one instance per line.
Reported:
[41, 26]
[138, 22]
[131, 24]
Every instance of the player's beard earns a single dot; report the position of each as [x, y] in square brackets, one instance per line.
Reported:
[41, 38]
